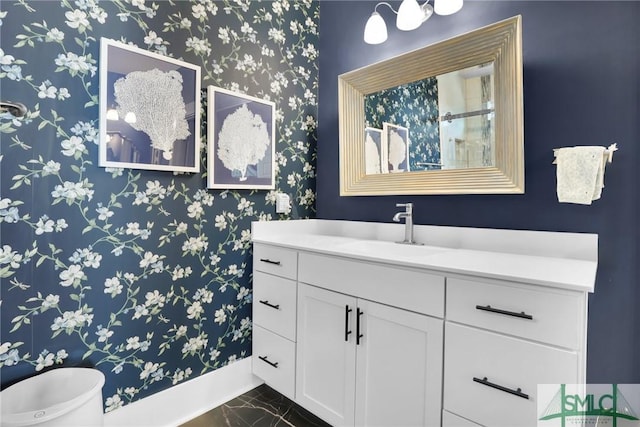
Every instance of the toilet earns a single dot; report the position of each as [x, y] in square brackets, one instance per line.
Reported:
[59, 397]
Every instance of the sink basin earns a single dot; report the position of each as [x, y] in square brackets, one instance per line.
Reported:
[391, 249]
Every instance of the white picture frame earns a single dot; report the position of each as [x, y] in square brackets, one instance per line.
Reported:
[396, 144]
[375, 161]
[149, 110]
[241, 140]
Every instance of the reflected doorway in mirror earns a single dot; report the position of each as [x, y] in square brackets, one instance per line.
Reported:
[467, 131]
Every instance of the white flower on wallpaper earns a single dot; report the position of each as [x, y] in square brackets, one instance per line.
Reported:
[155, 97]
[143, 275]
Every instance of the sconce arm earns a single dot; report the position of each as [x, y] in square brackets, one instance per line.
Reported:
[375, 9]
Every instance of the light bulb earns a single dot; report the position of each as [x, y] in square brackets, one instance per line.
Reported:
[130, 117]
[447, 7]
[410, 15]
[375, 32]
[112, 114]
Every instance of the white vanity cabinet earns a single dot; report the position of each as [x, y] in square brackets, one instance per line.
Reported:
[360, 362]
[274, 317]
[371, 333]
[502, 340]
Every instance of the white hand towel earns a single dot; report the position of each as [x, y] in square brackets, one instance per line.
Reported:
[580, 174]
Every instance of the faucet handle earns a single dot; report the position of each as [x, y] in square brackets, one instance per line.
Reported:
[408, 206]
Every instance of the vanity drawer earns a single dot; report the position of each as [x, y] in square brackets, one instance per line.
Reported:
[275, 260]
[274, 304]
[398, 287]
[273, 359]
[452, 420]
[478, 362]
[536, 313]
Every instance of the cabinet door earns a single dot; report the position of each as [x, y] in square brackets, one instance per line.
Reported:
[325, 359]
[398, 367]
[452, 420]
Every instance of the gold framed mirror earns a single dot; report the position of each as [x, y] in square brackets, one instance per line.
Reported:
[498, 45]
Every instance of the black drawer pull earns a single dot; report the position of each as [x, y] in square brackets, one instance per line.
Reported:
[518, 392]
[268, 261]
[267, 303]
[358, 334]
[347, 332]
[265, 360]
[521, 315]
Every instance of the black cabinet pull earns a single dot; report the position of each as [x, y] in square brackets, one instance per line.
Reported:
[521, 315]
[268, 261]
[267, 303]
[358, 334]
[265, 360]
[347, 332]
[518, 392]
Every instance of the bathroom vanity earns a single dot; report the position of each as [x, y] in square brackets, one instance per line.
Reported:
[459, 331]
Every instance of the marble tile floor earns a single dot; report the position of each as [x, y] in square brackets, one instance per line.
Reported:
[260, 407]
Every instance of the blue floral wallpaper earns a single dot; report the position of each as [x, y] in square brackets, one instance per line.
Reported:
[145, 275]
[413, 106]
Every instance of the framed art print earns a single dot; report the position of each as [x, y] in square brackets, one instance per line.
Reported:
[241, 141]
[396, 143]
[149, 110]
[373, 153]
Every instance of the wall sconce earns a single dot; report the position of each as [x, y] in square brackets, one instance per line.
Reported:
[447, 7]
[410, 15]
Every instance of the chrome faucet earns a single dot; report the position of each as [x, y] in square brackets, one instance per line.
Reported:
[408, 222]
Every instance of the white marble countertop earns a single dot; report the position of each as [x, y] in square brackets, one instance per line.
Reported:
[541, 258]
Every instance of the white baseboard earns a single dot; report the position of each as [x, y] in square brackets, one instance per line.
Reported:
[187, 400]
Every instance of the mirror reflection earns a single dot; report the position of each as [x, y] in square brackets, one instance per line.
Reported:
[467, 139]
[441, 122]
